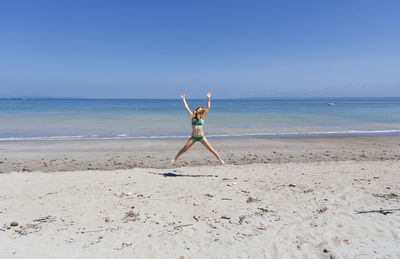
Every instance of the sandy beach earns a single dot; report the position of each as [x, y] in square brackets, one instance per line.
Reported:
[291, 111]
[276, 198]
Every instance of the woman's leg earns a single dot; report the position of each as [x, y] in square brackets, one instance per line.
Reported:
[207, 144]
[188, 144]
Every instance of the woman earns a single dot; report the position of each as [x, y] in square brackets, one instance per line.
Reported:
[197, 119]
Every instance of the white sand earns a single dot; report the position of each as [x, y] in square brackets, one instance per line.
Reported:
[181, 216]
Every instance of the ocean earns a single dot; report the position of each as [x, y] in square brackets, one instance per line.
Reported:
[74, 119]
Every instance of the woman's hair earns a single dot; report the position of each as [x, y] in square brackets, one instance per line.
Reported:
[198, 113]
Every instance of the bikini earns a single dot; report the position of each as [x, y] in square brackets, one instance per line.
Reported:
[200, 122]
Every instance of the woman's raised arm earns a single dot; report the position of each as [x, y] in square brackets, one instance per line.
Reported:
[186, 105]
[208, 103]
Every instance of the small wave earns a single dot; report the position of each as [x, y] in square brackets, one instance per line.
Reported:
[79, 137]
[242, 135]
[312, 134]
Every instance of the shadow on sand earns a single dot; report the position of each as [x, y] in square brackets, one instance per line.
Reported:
[169, 174]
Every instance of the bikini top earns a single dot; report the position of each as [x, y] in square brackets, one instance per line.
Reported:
[200, 122]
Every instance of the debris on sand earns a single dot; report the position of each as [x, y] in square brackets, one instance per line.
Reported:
[131, 216]
[45, 219]
[265, 210]
[251, 199]
[261, 227]
[119, 194]
[326, 250]
[225, 217]
[387, 196]
[181, 226]
[30, 228]
[242, 218]
[49, 193]
[382, 211]
[122, 194]
[123, 245]
[14, 224]
[322, 210]
[292, 185]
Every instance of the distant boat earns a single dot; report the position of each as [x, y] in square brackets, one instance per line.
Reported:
[331, 104]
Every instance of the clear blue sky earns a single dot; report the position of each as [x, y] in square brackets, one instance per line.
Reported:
[155, 49]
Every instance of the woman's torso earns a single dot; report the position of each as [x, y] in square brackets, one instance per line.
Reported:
[197, 128]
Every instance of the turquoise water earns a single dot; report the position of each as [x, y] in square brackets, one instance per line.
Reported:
[63, 119]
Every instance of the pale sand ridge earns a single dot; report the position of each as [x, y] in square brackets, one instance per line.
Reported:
[296, 210]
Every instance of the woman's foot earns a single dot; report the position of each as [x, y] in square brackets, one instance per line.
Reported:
[222, 162]
[173, 161]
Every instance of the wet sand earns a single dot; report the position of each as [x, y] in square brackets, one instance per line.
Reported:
[52, 156]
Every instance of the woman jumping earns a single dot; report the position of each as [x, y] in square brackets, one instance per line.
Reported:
[197, 119]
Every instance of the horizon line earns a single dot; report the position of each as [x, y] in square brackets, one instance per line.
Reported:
[233, 98]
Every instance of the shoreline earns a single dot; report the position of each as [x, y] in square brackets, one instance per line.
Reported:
[316, 134]
[104, 155]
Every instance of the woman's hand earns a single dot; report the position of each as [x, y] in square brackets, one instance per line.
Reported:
[208, 102]
[182, 95]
